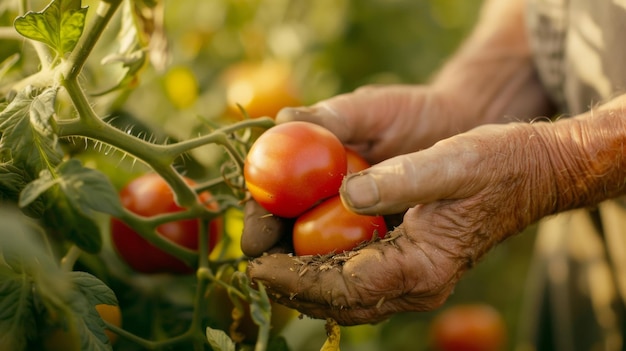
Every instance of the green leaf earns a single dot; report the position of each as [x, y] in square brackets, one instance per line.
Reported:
[36, 295]
[59, 25]
[88, 189]
[219, 340]
[33, 190]
[16, 311]
[28, 129]
[76, 192]
[132, 55]
[72, 224]
[260, 305]
[93, 288]
[12, 181]
[25, 268]
[89, 324]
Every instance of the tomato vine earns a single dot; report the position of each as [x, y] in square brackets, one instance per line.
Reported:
[63, 198]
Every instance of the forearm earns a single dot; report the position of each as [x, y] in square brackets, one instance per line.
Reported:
[492, 76]
[587, 156]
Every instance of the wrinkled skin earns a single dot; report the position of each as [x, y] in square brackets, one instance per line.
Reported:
[463, 182]
[417, 269]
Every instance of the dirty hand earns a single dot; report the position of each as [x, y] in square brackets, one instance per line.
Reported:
[464, 195]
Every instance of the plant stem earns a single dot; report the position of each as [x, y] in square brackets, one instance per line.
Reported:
[43, 78]
[91, 126]
[144, 343]
[148, 231]
[218, 136]
[67, 262]
[78, 57]
[159, 157]
[264, 328]
[203, 244]
[200, 302]
[9, 33]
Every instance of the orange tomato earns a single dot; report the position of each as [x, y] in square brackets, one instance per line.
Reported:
[261, 88]
[468, 327]
[111, 314]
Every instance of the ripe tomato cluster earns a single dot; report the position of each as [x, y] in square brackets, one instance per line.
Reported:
[294, 170]
[149, 195]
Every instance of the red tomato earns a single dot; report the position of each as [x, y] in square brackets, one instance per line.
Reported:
[150, 195]
[469, 327]
[356, 162]
[330, 227]
[293, 166]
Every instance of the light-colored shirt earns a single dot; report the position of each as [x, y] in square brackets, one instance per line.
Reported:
[580, 50]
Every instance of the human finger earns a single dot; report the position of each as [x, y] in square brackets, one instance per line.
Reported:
[378, 121]
[262, 230]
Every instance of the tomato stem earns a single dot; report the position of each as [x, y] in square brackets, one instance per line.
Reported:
[145, 343]
[218, 136]
[67, 262]
[203, 244]
[264, 328]
[87, 41]
[200, 302]
[206, 274]
[146, 227]
[91, 126]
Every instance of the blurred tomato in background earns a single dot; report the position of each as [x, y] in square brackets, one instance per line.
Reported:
[261, 89]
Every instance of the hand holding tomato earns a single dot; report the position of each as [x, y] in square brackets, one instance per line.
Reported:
[462, 196]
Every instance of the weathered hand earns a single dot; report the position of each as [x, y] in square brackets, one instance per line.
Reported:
[464, 195]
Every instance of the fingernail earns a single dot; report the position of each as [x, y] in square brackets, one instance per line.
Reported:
[292, 113]
[360, 191]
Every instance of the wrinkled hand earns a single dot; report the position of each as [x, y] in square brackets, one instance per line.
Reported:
[464, 195]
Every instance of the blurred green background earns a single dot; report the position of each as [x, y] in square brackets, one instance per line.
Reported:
[207, 55]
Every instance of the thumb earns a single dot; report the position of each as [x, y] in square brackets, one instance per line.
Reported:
[402, 182]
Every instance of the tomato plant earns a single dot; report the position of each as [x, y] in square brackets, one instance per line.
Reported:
[260, 88]
[228, 312]
[50, 113]
[330, 227]
[149, 195]
[468, 327]
[91, 96]
[293, 166]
